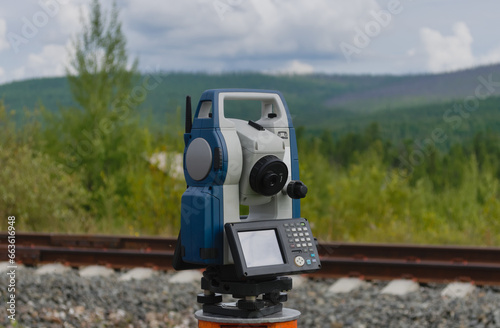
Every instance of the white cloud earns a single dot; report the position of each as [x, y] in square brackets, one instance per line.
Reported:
[69, 16]
[270, 31]
[51, 61]
[4, 44]
[19, 73]
[492, 57]
[295, 67]
[448, 52]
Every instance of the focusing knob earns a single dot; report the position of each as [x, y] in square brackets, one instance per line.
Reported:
[268, 176]
[296, 189]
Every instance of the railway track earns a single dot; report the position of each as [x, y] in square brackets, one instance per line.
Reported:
[369, 261]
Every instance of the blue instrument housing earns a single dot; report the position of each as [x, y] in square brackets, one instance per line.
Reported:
[202, 204]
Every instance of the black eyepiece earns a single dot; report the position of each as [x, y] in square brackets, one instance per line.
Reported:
[268, 176]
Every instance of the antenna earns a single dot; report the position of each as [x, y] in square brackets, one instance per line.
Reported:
[189, 119]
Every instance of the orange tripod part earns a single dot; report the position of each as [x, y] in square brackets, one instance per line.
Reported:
[287, 318]
[288, 324]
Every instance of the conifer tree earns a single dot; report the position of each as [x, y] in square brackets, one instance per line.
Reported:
[100, 139]
[102, 133]
[98, 74]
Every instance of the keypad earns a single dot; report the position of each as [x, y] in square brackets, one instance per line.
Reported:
[299, 239]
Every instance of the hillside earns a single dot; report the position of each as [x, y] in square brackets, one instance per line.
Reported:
[408, 106]
[411, 90]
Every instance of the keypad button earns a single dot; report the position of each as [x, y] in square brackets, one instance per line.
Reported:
[299, 229]
[289, 235]
[304, 229]
[287, 229]
[311, 249]
[294, 229]
[313, 255]
[286, 225]
[295, 234]
[302, 239]
[301, 234]
[308, 262]
[306, 234]
[290, 240]
[309, 244]
[314, 261]
[292, 245]
[299, 261]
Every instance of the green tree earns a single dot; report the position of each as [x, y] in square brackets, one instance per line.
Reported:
[100, 139]
[98, 74]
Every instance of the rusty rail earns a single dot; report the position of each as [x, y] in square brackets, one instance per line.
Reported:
[371, 261]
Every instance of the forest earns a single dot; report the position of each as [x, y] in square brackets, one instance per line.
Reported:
[362, 187]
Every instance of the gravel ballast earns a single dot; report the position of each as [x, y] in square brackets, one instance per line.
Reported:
[69, 300]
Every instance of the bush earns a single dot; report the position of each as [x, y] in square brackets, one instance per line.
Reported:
[40, 194]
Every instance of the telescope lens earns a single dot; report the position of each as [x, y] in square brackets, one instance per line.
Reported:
[271, 179]
[268, 175]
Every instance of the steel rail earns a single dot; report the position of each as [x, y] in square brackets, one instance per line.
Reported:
[480, 265]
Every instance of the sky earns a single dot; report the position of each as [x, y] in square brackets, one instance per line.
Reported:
[270, 36]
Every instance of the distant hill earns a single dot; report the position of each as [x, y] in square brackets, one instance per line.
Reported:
[411, 90]
[407, 106]
[51, 92]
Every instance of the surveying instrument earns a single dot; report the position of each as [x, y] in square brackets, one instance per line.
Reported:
[229, 163]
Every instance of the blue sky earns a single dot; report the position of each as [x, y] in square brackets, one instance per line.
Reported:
[272, 36]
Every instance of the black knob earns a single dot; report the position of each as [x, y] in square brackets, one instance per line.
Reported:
[296, 189]
[268, 176]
